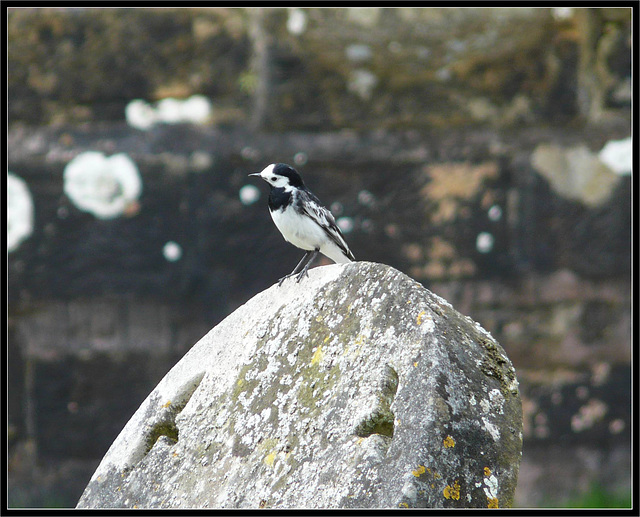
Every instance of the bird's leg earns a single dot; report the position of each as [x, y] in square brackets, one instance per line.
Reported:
[302, 273]
[297, 268]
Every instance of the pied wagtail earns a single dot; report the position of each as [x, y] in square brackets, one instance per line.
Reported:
[301, 219]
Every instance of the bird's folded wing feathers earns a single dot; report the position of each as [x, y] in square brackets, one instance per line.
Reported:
[325, 219]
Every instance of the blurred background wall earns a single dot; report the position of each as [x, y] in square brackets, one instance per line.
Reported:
[484, 152]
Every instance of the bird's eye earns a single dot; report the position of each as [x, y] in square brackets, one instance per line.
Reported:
[273, 178]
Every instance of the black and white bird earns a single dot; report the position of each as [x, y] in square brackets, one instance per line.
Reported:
[301, 219]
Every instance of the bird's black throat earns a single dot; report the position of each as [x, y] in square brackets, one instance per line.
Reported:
[279, 198]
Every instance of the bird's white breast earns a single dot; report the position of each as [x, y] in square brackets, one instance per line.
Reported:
[303, 232]
[298, 230]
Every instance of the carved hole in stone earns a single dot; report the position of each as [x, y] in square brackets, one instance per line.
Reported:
[166, 424]
[381, 419]
[168, 429]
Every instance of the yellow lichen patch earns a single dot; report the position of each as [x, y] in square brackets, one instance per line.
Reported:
[492, 502]
[452, 492]
[403, 505]
[319, 318]
[327, 338]
[419, 471]
[420, 316]
[449, 442]
[317, 355]
[487, 471]
[270, 458]
[167, 404]
[415, 365]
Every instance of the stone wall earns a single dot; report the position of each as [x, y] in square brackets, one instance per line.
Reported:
[464, 147]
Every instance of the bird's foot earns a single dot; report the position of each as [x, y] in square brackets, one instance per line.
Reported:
[306, 260]
[297, 275]
[302, 273]
[284, 278]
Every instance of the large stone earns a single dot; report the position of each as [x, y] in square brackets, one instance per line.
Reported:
[356, 387]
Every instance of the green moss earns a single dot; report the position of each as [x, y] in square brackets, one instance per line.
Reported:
[598, 496]
[382, 420]
[379, 422]
[494, 365]
[167, 428]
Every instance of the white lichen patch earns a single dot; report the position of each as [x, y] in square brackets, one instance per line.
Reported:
[513, 385]
[491, 429]
[20, 213]
[618, 155]
[172, 251]
[409, 489]
[296, 21]
[491, 486]
[196, 109]
[576, 173]
[497, 401]
[104, 187]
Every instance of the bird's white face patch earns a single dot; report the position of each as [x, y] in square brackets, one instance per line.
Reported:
[276, 180]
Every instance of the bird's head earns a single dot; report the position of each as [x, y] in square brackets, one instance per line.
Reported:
[280, 175]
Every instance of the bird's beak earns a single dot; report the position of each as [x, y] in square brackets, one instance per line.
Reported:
[254, 174]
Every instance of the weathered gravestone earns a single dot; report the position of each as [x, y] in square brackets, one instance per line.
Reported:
[356, 387]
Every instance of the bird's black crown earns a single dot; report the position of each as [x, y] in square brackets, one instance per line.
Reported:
[295, 180]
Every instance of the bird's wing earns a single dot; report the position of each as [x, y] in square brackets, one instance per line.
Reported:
[311, 207]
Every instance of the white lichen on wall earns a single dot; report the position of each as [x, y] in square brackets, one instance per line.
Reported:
[296, 21]
[194, 110]
[19, 212]
[618, 156]
[362, 82]
[104, 187]
[249, 194]
[576, 173]
[172, 251]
